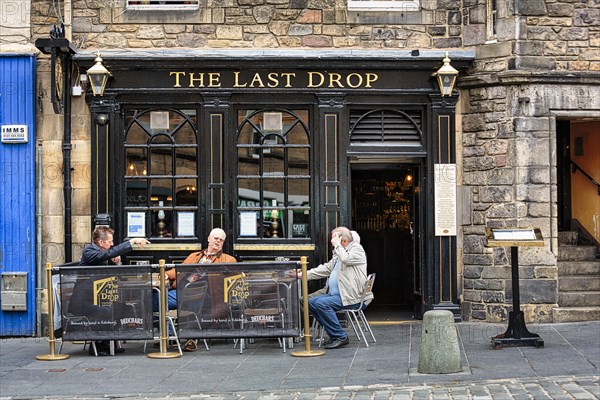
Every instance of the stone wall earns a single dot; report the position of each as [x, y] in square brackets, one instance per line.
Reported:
[15, 22]
[505, 134]
[510, 101]
[268, 24]
[50, 130]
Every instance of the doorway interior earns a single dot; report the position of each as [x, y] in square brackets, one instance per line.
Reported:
[383, 209]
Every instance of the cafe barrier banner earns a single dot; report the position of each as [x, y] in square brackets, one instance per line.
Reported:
[238, 300]
[106, 302]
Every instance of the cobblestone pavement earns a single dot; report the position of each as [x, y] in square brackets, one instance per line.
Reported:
[566, 367]
[555, 388]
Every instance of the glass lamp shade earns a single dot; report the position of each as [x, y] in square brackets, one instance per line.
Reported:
[98, 76]
[446, 77]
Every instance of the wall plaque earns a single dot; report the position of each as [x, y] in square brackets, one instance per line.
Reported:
[445, 199]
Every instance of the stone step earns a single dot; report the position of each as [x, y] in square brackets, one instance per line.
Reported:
[579, 299]
[572, 268]
[575, 314]
[576, 253]
[567, 237]
[576, 283]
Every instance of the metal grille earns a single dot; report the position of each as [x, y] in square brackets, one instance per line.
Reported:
[386, 127]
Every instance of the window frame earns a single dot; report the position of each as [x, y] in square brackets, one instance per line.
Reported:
[257, 151]
[163, 5]
[384, 5]
[132, 116]
[491, 19]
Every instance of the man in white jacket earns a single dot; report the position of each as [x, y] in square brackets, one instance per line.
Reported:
[347, 273]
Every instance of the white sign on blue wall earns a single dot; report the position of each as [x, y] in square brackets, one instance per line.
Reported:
[15, 133]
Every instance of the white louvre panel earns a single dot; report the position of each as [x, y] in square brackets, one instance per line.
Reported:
[395, 5]
[385, 127]
[163, 4]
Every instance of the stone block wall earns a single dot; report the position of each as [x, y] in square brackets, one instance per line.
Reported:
[509, 169]
[515, 91]
[270, 24]
[545, 57]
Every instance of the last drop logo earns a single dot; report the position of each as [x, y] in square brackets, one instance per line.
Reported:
[106, 291]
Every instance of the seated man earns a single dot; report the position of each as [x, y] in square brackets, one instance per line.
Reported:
[213, 253]
[99, 252]
[347, 273]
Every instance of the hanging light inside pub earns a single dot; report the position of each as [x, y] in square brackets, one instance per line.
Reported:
[98, 76]
[446, 77]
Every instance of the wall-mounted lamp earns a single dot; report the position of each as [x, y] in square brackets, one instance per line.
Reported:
[446, 77]
[98, 75]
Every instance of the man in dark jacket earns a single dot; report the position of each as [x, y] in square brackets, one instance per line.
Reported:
[101, 249]
[98, 253]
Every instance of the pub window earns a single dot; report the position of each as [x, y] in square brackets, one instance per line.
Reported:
[161, 174]
[141, 5]
[384, 5]
[273, 179]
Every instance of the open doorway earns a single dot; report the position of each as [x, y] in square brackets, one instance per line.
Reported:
[383, 210]
[578, 165]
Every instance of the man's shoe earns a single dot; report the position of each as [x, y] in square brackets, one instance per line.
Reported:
[118, 347]
[337, 343]
[100, 352]
[328, 341]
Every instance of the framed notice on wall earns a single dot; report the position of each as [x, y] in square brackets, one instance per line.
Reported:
[445, 199]
[136, 224]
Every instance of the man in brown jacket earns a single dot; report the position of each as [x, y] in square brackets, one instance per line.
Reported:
[213, 253]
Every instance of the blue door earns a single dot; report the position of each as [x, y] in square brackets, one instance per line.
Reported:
[17, 195]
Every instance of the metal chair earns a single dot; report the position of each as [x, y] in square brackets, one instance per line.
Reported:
[357, 317]
[264, 305]
[191, 303]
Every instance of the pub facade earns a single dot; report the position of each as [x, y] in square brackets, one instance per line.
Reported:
[278, 149]
[280, 121]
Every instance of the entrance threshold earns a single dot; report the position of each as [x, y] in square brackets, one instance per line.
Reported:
[389, 314]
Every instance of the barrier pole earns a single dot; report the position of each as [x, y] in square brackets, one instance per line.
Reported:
[163, 353]
[307, 352]
[51, 339]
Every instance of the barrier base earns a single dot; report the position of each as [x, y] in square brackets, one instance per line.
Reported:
[52, 357]
[171, 354]
[308, 353]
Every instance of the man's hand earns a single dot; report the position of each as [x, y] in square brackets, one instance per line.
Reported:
[335, 240]
[141, 242]
[116, 260]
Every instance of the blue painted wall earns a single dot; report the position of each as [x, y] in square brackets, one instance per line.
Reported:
[17, 187]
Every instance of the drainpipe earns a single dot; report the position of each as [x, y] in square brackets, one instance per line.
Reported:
[38, 242]
[66, 148]
[68, 21]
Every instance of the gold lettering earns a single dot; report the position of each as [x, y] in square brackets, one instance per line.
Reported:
[273, 81]
[315, 79]
[333, 77]
[288, 76]
[370, 78]
[200, 79]
[310, 79]
[359, 80]
[236, 76]
[177, 74]
[214, 79]
[258, 80]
